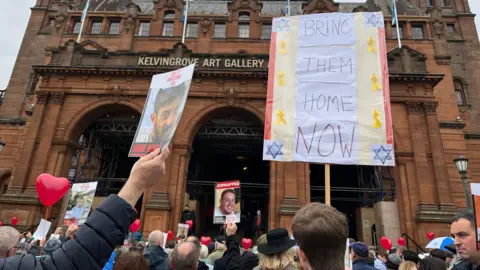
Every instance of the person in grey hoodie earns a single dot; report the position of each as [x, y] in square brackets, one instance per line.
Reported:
[155, 254]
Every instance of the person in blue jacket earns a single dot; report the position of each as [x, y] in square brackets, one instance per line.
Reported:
[104, 229]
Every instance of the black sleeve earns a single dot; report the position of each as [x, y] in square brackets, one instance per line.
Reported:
[234, 260]
[94, 242]
[20, 262]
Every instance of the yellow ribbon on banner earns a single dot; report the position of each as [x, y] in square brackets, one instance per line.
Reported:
[283, 47]
[375, 85]
[281, 78]
[376, 120]
[281, 118]
[371, 45]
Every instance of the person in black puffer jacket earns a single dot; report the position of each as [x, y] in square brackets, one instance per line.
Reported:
[103, 230]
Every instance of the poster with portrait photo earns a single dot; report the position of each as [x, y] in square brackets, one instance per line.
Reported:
[182, 231]
[162, 111]
[80, 203]
[227, 202]
[475, 188]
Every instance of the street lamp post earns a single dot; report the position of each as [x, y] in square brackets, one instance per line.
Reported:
[462, 165]
[2, 144]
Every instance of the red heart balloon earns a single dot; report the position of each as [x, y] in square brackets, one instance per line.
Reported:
[401, 241]
[170, 235]
[189, 223]
[205, 240]
[431, 235]
[386, 243]
[14, 221]
[135, 225]
[51, 189]
[1, 224]
[246, 243]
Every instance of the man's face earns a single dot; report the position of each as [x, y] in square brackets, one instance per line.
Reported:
[80, 202]
[227, 204]
[164, 120]
[465, 238]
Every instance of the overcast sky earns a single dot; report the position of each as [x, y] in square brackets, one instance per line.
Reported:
[14, 18]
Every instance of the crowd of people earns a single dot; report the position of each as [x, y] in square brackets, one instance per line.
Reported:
[320, 232]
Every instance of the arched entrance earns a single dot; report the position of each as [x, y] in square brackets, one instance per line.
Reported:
[228, 146]
[104, 135]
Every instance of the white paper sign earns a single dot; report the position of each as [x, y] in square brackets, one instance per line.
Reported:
[42, 229]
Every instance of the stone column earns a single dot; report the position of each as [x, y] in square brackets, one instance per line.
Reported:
[442, 184]
[428, 31]
[388, 30]
[29, 146]
[416, 122]
[104, 27]
[43, 154]
[405, 198]
[177, 181]
[386, 220]
[408, 30]
[291, 178]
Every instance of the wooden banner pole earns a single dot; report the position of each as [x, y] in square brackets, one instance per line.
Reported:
[327, 184]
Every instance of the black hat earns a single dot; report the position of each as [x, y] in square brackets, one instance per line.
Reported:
[220, 239]
[277, 241]
[451, 248]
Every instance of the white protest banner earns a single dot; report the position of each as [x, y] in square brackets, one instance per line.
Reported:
[162, 111]
[328, 97]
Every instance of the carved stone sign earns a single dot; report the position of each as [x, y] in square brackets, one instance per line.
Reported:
[202, 62]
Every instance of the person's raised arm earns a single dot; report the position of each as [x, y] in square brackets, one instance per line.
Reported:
[108, 225]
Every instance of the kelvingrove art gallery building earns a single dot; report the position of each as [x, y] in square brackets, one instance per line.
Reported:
[71, 109]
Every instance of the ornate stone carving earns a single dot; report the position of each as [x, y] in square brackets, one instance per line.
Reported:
[205, 25]
[61, 15]
[117, 95]
[170, 4]
[430, 107]
[231, 96]
[320, 6]
[42, 97]
[130, 18]
[437, 23]
[414, 107]
[406, 60]
[245, 4]
[57, 98]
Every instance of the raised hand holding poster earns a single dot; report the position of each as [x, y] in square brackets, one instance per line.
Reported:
[328, 98]
[162, 111]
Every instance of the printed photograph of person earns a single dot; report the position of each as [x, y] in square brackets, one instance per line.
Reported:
[162, 111]
[227, 205]
[166, 113]
[79, 203]
[79, 210]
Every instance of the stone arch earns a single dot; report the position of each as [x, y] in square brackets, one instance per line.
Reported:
[92, 111]
[204, 114]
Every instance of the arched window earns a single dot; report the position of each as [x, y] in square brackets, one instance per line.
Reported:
[169, 15]
[244, 25]
[168, 23]
[459, 92]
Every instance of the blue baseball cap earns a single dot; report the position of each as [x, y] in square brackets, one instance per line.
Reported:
[360, 249]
